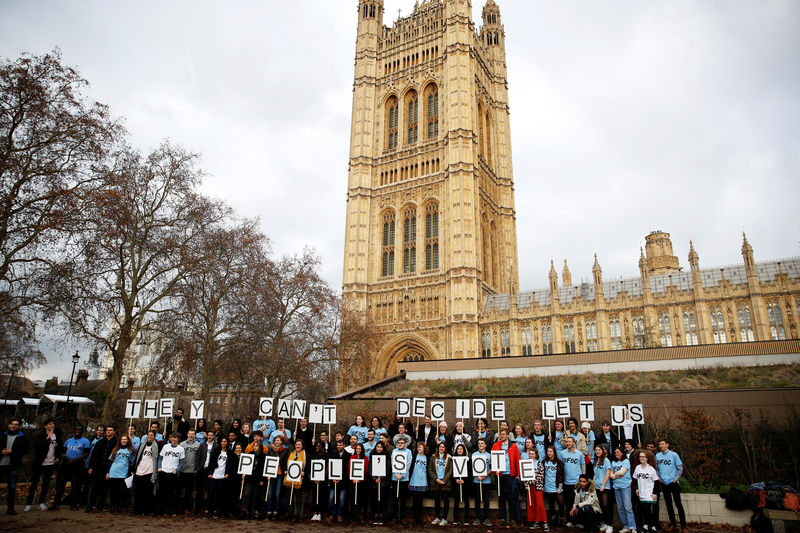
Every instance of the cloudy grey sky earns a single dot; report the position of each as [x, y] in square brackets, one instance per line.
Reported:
[626, 116]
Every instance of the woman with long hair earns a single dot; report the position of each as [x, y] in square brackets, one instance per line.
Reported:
[553, 485]
[379, 489]
[120, 464]
[602, 472]
[482, 431]
[537, 516]
[200, 432]
[236, 427]
[519, 435]
[231, 484]
[217, 474]
[297, 489]
[462, 488]
[440, 472]
[482, 484]
[621, 478]
[319, 489]
[376, 424]
[647, 485]
[359, 429]
[358, 507]
[556, 436]
[418, 482]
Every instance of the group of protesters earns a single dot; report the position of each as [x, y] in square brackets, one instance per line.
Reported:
[578, 476]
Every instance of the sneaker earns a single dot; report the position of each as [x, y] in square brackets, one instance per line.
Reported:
[645, 528]
[442, 522]
[546, 527]
[435, 522]
[42, 507]
[476, 522]
[602, 526]
[487, 522]
[609, 529]
[27, 508]
[456, 523]
[535, 525]
[569, 524]
[624, 530]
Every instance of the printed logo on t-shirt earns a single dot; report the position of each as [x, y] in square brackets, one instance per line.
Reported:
[572, 460]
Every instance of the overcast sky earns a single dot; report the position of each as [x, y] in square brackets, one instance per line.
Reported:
[626, 116]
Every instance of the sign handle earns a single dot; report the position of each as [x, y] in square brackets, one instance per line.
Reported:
[379, 489]
[529, 495]
[480, 489]
[295, 428]
[317, 493]
[461, 492]
[356, 500]
[398, 488]
[241, 489]
[267, 497]
[498, 483]
[291, 493]
[335, 491]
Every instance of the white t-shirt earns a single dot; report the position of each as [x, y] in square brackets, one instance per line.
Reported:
[171, 457]
[208, 454]
[646, 477]
[50, 458]
[145, 467]
[222, 462]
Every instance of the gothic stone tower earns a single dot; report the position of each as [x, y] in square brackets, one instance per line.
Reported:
[431, 226]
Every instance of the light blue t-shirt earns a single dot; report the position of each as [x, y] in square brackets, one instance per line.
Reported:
[265, 426]
[441, 463]
[625, 480]
[550, 472]
[76, 447]
[520, 442]
[538, 440]
[369, 447]
[135, 441]
[504, 447]
[488, 458]
[572, 465]
[667, 465]
[200, 437]
[120, 464]
[407, 453]
[590, 442]
[419, 475]
[279, 432]
[600, 473]
[378, 432]
[557, 442]
[359, 431]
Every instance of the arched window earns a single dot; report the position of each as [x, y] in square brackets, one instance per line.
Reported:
[432, 236]
[387, 261]
[591, 336]
[775, 321]
[486, 344]
[615, 332]
[639, 339]
[547, 340]
[495, 257]
[718, 326]
[569, 338]
[488, 138]
[745, 324]
[391, 123]
[410, 240]
[432, 110]
[481, 136]
[664, 329]
[505, 342]
[486, 249]
[525, 333]
[411, 116]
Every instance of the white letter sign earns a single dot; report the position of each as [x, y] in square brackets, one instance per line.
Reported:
[196, 409]
[498, 410]
[462, 408]
[399, 462]
[636, 412]
[294, 471]
[315, 413]
[265, 407]
[357, 469]
[479, 466]
[284, 408]
[617, 415]
[151, 408]
[317, 469]
[298, 409]
[335, 469]
[165, 408]
[404, 407]
[418, 407]
[562, 407]
[548, 409]
[246, 461]
[437, 410]
[460, 465]
[479, 408]
[132, 408]
[271, 463]
[498, 461]
[378, 465]
[587, 411]
[328, 414]
[527, 472]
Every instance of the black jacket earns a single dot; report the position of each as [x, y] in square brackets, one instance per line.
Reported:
[41, 444]
[600, 438]
[18, 449]
[213, 462]
[202, 453]
[99, 459]
[183, 429]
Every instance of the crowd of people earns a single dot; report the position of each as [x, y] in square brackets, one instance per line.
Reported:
[579, 476]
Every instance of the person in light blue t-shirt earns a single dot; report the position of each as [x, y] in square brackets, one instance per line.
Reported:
[574, 465]
[281, 430]
[134, 439]
[265, 425]
[482, 482]
[370, 443]
[621, 478]
[400, 480]
[119, 466]
[602, 481]
[670, 469]
[418, 482]
[359, 429]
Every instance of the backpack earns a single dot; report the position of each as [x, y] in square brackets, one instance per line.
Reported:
[790, 501]
[737, 500]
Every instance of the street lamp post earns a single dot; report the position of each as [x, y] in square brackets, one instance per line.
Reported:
[13, 369]
[75, 360]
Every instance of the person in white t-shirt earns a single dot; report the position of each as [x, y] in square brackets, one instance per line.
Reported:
[647, 485]
[145, 473]
[169, 465]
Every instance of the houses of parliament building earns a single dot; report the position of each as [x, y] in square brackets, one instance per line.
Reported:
[430, 257]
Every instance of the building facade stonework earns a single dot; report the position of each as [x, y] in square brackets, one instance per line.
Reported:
[430, 257]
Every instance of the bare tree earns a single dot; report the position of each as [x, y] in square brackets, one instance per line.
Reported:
[52, 140]
[141, 235]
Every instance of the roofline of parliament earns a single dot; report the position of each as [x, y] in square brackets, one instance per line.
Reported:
[430, 258]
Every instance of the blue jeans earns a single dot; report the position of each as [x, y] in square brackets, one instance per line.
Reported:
[337, 509]
[623, 497]
[12, 473]
[274, 499]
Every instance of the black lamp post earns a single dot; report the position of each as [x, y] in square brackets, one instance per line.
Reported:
[75, 360]
[13, 368]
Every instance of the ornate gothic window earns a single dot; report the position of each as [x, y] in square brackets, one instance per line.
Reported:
[488, 138]
[690, 329]
[775, 321]
[745, 324]
[615, 333]
[505, 342]
[432, 236]
[664, 329]
[411, 117]
[569, 338]
[525, 333]
[639, 338]
[486, 344]
[547, 340]
[410, 240]
[591, 336]
[391, 123]
[387, 261]
[432, 110]
[718, 326]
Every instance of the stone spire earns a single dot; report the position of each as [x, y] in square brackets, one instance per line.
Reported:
[597, 272]
[694, 259]
[553, 278]
[566, 275]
